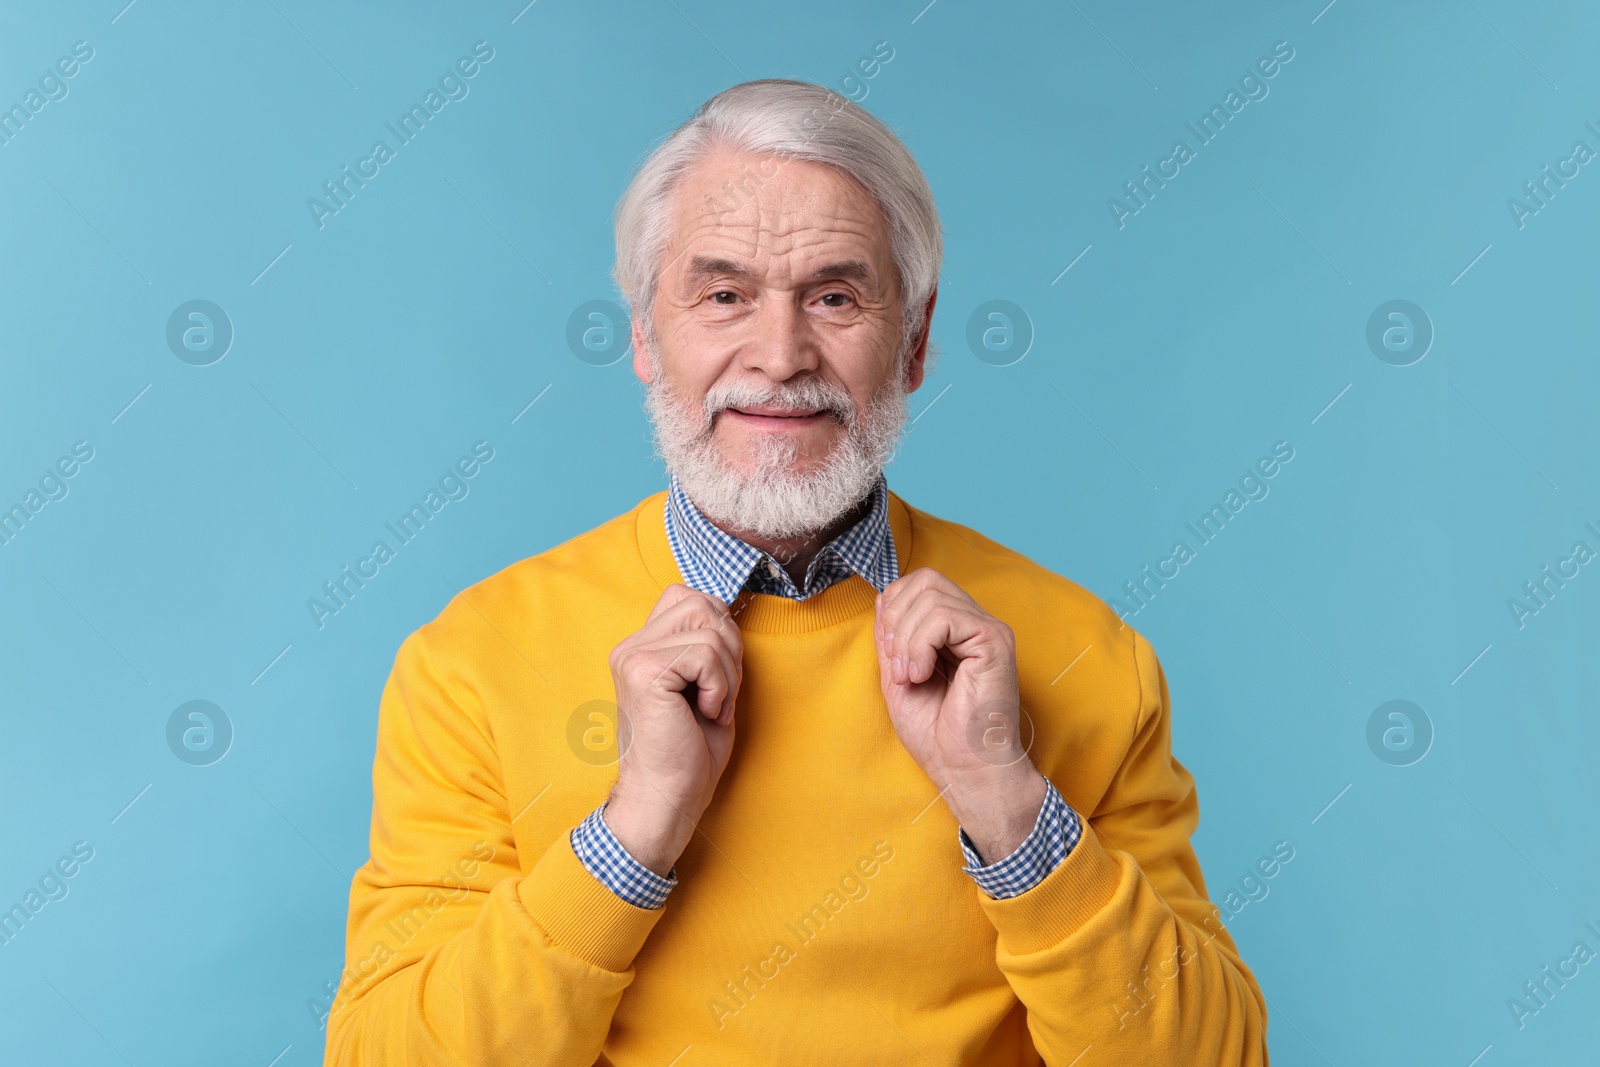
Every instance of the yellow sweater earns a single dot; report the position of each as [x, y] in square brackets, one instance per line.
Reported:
[821, 916]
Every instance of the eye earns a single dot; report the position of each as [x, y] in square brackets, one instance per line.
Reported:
[732, 297]
[842, 298]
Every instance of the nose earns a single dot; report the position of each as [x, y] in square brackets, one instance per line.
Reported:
[783, 342]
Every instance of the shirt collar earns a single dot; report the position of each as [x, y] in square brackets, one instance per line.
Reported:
[718, 564]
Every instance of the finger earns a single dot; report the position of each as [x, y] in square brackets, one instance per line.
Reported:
[898, 588]
[915, 612]
[699, 613]
[893, 605]
[730, 649]
[708, 668]
[712, 616]
[905, 652]
[687, 660]
[945, 623]
[899, 594]
[677, 661]
[897, 599]
[671, 595]
[921, 578]
[693, 610]
[698, 661]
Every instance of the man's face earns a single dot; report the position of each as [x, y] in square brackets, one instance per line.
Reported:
[778, 331]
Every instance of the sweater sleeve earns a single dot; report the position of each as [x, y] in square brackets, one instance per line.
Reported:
[452, 954]
[1172, 988]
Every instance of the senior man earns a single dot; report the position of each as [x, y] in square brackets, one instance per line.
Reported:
[873, 788]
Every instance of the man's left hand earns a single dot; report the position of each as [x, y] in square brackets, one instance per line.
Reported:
[949, 675]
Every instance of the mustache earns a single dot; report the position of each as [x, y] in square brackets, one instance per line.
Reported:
[807, 393]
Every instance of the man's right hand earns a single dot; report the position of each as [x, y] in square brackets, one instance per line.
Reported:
[677, 679]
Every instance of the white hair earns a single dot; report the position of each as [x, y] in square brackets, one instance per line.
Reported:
[795, 120]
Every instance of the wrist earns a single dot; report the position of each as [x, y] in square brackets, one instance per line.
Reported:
[652, 829]
[999, 813]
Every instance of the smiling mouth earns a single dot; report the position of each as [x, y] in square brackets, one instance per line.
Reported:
[778, 415]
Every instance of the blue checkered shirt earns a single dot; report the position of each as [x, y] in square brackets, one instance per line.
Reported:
[718, 564]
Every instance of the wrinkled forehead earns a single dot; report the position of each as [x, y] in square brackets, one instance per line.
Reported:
[777, 219]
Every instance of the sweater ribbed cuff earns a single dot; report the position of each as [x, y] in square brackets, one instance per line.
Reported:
[1059, 906]
[580, 913]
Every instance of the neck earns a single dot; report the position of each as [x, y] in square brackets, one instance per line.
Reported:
[796, 553]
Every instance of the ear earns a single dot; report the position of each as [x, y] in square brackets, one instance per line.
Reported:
[919, 356]
[641, 362]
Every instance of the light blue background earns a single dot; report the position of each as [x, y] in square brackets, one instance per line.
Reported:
[1225, 316]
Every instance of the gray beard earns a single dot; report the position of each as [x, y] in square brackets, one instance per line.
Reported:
[776, 501]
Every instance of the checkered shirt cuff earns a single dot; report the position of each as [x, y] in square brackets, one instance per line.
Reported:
[1054, 834]
[599, 850]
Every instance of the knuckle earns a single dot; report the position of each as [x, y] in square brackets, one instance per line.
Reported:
[698, 612]
[633, 664]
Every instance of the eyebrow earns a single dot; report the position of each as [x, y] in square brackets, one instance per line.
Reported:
[702, 267]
